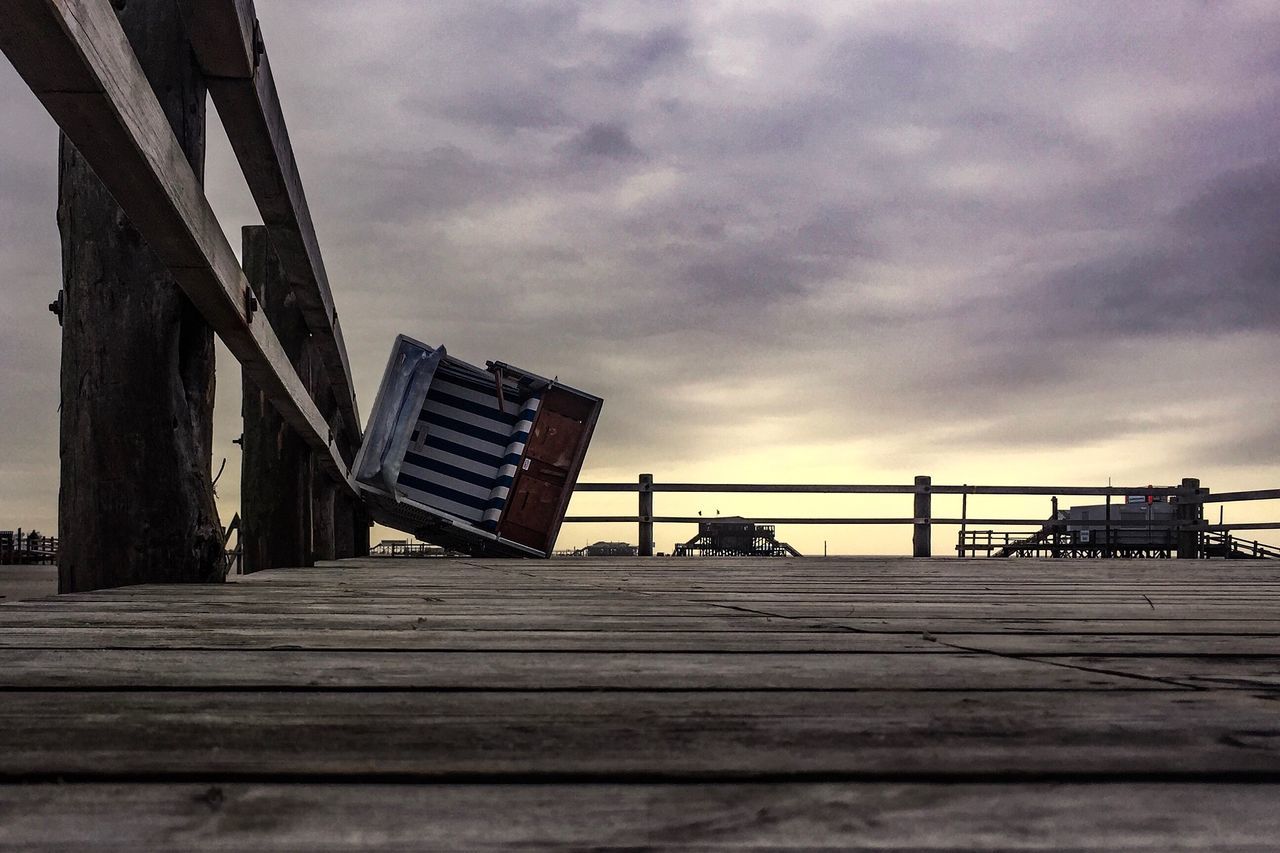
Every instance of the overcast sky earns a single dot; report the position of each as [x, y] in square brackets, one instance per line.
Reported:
[823, 241]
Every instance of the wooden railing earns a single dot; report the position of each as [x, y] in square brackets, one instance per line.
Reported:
[1185, 529]
[27, 548]
[1239, 547]
[77, 59]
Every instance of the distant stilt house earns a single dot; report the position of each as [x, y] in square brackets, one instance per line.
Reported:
[1139, 527]
[734, 536]
[607, 549]
[405, 548]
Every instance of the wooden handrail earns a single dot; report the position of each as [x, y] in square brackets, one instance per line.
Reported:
[879, 489]
[75, 57]
[229, 47]
[1228, 497]
[695, 519]
[1187, 524]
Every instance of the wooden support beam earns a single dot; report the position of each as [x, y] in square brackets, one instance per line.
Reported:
[275, 497]
[1188, 512]
[922, 533]
[322, 520]
[344, 534]
[1227, 497]
[646, 516]
[136, 503]
[76, 59]
[222, 35]
[906, 489]
[363, 529]
[323, 545]
[229, 47]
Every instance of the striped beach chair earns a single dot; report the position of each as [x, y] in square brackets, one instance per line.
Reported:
[452, 440]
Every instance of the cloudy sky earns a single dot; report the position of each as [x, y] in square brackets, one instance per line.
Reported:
[1032, 242]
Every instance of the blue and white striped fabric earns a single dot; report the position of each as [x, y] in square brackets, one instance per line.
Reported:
[460, 442]
[510, 462]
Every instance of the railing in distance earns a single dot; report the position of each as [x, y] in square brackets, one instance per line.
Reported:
[1184, 531]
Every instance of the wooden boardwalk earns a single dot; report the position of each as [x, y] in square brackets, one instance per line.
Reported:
[652, 703]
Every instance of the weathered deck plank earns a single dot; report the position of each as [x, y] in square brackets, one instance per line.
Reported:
[45, 669]
[704, 735]
[849, 816]
[948, 704]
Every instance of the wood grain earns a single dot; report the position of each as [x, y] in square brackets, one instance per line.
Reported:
[561, 817]
[76, 59]
[940, 704]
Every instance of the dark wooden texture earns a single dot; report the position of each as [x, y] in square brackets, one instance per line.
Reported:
[363, 525]
[78, 62]
[1188, 541]
[344, 527]
[322, 523]
[569, 816]
[922, 512]
[293, 514]
[275, 498]
[136, 502]
[646, 516]
[322, 492]
[850, 703]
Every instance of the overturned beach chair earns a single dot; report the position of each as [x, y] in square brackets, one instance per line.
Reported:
[482, 461]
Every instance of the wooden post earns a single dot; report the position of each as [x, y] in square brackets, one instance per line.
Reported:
[274, 478]
[344, 527]
[1187, 514]
[323, 530]
[1057, 536]
[362, 528]
[136, 503]
[921, 539]
[964, 516]
[322, 520]
[1107, 550]
[646, 515]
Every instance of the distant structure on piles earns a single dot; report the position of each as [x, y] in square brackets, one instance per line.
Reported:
[607, 549]
[405, 548]
[734, 536]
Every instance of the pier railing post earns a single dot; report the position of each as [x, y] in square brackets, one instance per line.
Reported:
[275, 480]
[1107, 550]
[1187, 514]
[136, 422]
[646, 515]
[921, 539]
[1056, 548]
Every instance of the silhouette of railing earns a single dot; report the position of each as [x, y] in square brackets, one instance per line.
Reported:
[1181, 535]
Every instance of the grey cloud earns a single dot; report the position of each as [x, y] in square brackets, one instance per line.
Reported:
[506, 109]
[636, 57]
[1211, 267]
[603, 140]
[1250, 448]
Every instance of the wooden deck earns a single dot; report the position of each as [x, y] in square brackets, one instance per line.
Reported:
[652, 703]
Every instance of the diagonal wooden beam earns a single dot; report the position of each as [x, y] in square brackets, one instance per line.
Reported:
[229, 47]
[76, 59]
